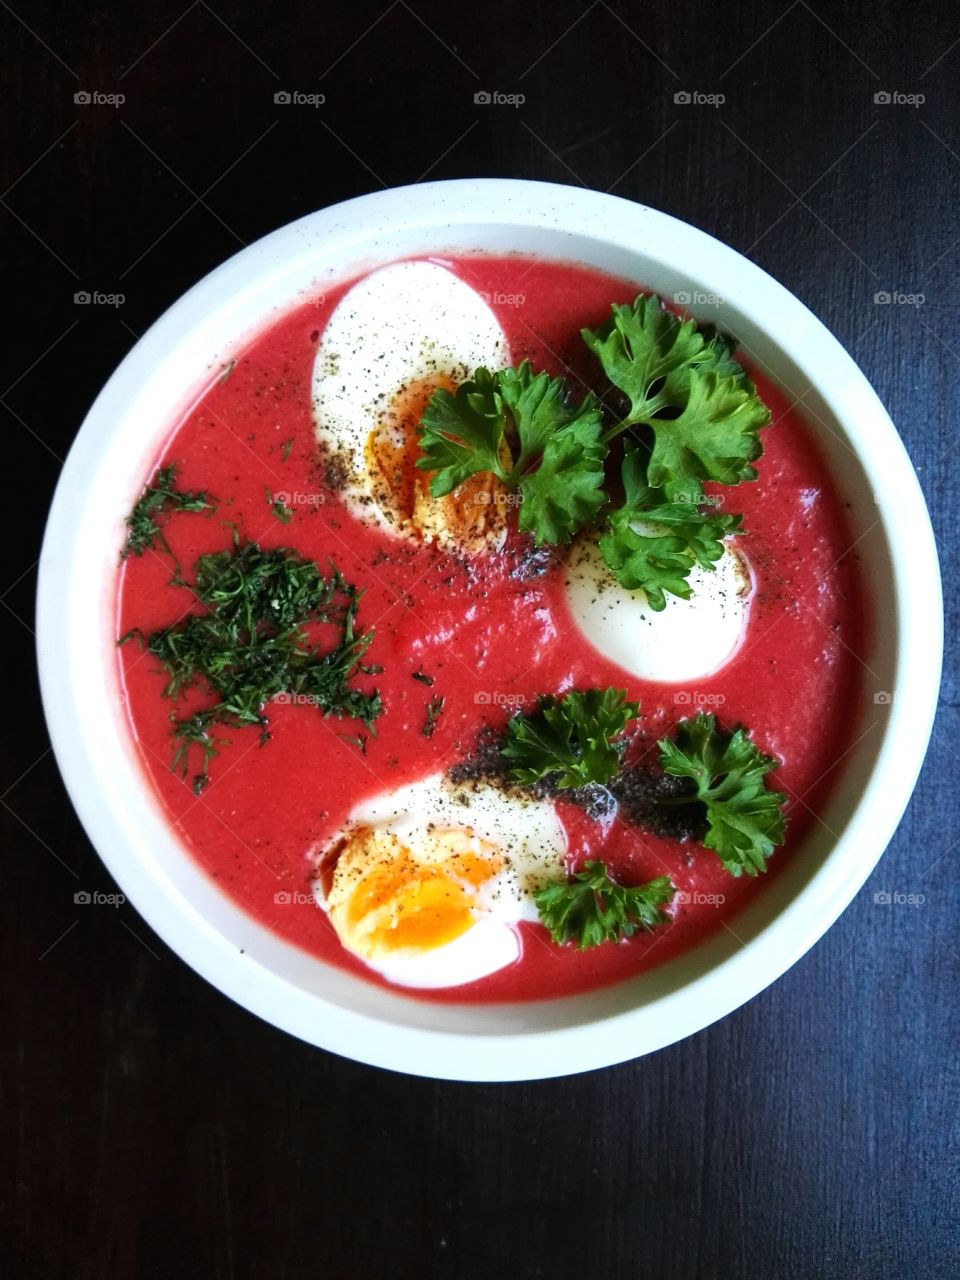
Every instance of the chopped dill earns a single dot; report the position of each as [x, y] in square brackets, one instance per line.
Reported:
[159, 500]
[251, 643]
[433, 709]
[278, 507]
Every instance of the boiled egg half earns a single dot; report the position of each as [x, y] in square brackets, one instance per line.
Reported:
[395, 337]
[427, 883]
[686, 640]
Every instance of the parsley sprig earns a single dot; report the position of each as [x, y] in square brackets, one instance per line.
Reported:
[522, 427]
[576, 740]
[745, 818]
[571, 740]
[252, 643]
[683, 383]
[651, 543]
[160, 499]
[589, 908]
[693, 416]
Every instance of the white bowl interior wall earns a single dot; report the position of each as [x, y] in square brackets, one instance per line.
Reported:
[113, 457]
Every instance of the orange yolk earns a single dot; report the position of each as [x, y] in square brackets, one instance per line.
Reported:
[387, 898]
[470, 517]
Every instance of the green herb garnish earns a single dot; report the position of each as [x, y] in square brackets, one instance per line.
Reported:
[693, 416]
[159, 500]
[522, 427]
[569, 739]
[252, 644]
[651, 543]
[422, 678]
[745, 819]
[276, 505]
[285, 449]
[656, 359]
[589, 908]
[433, 709]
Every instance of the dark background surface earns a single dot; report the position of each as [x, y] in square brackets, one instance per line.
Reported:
[152, 1128]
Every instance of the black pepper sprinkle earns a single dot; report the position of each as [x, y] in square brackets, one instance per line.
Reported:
[335, 473]
[636, 792]
[641, 792]
[531, 562]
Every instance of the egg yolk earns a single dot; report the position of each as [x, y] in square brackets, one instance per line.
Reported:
[388, 896]
[469, 518]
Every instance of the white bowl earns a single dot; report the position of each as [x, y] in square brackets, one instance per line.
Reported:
[111, 460]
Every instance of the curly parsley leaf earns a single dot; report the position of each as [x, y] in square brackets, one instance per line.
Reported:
[570, 738]
[589, 908]
[523, 428]
[715, 437]
[745, 818]
[159, 500]
[638, 347]
[540, 407]
[651, 544]
[683, 383]
[461, 433]
[565, 492]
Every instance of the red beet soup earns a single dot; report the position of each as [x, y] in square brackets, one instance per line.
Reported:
[476, 625]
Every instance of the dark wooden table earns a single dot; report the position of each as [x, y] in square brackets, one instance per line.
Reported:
[153, 1129]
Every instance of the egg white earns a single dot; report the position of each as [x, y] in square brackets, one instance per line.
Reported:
[396, 326]
[687, 640]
